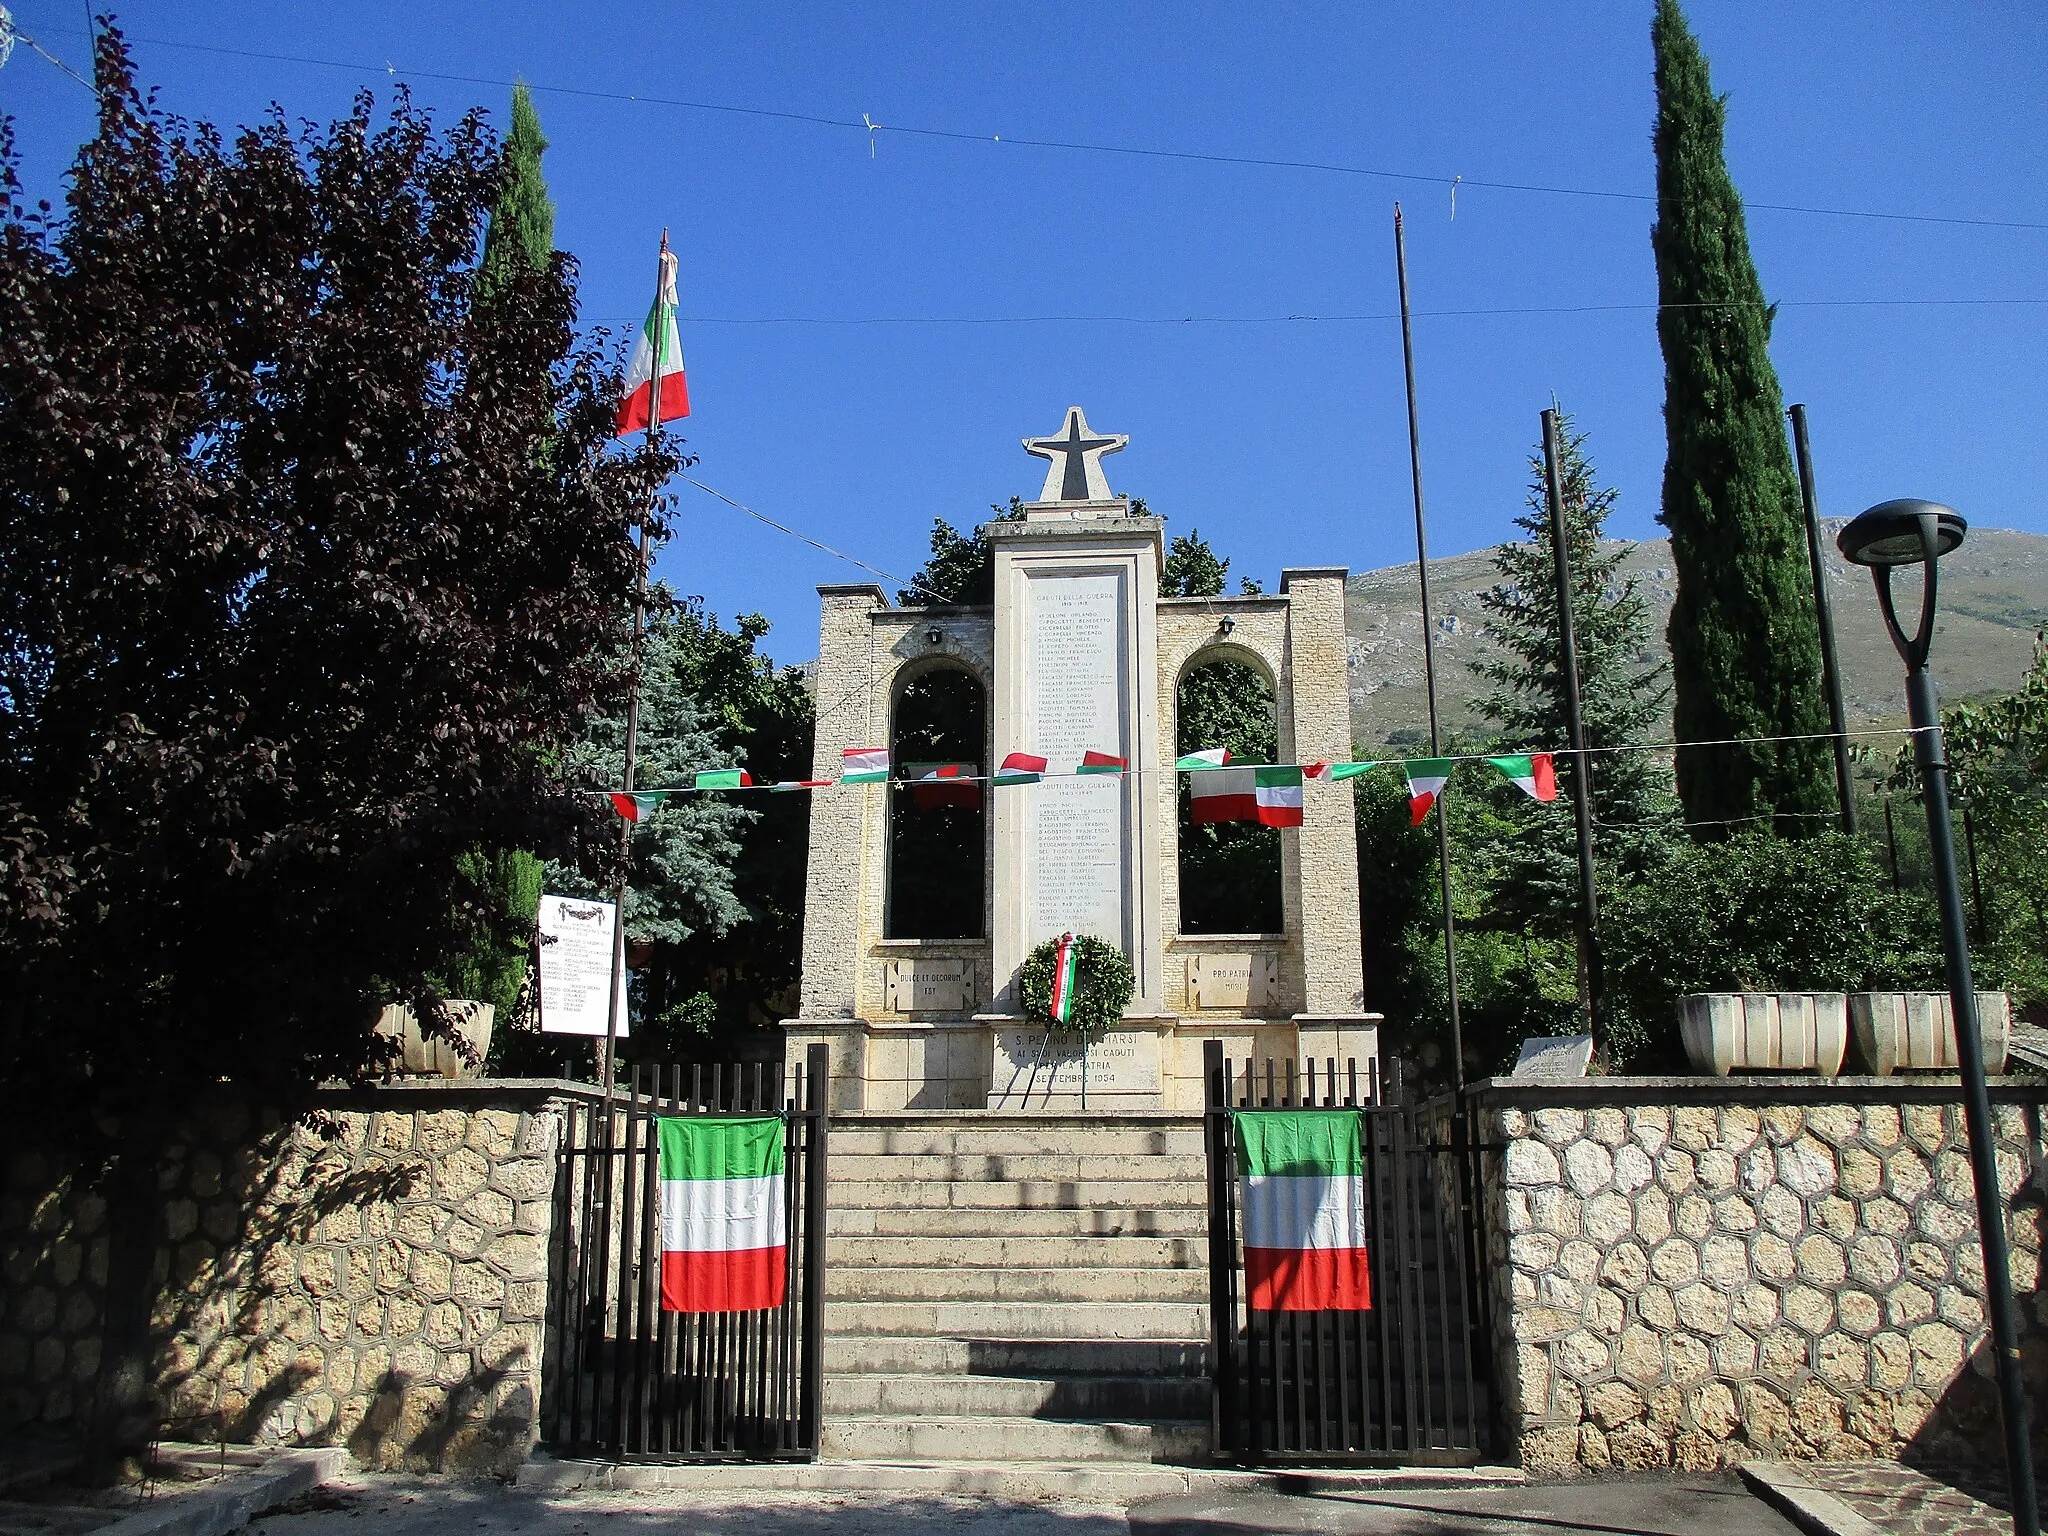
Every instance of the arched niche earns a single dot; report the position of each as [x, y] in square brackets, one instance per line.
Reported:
[938, 834]
[1229, 871]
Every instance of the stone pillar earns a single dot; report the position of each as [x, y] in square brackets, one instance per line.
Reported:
[844, 821]
[1319, 700]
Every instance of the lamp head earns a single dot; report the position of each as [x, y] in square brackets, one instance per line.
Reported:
[1889, 533]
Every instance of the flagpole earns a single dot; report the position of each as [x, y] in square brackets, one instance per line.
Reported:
[611, 1019]
[1443, 835]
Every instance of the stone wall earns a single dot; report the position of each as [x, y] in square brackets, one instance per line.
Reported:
[378, 1281]
[1688, 1274]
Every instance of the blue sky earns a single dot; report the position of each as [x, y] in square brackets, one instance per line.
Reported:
[1284, 442]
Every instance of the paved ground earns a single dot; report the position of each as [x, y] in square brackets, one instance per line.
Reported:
[390, 1506]
[1690, 1506]
[1663, 1506]
[1942, 1502]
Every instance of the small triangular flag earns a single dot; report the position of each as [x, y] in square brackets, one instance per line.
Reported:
[1535, 775]
[1426, 776]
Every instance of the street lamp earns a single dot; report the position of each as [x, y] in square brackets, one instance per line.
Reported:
[1904, 533]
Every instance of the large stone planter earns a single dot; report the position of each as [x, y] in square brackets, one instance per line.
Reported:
[1916, 1031]
[1765, 1031]
[431, 1056]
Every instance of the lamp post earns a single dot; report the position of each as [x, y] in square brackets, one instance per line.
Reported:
[1905, 533]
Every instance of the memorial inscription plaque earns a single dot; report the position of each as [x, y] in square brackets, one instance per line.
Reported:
[1073, 637]
[1025, 1068]
[930, 986]
[1232, 981]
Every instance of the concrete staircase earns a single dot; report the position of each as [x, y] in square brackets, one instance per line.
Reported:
[1014, 1288]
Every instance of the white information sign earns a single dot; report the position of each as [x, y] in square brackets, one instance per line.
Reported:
[576, 938]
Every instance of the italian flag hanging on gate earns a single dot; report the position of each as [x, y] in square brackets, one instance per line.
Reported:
[1066, 966]
[1303, 1191]
[658, 353]
[724, 1232]
[1269, 796]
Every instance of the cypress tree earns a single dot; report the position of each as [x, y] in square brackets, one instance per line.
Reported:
[522, 228]
[1745, 650]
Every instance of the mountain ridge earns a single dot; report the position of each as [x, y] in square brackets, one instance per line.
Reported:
[1993, 601]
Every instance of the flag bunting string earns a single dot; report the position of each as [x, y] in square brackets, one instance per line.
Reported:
[1532, 771]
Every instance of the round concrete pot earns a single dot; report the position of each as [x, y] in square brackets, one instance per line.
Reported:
[1916, 1031]
[432, 1056]
[1728, 1032]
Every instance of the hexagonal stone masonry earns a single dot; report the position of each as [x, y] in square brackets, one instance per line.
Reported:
[1687, 1284]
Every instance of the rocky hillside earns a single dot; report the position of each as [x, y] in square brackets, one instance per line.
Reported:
[1994, 597]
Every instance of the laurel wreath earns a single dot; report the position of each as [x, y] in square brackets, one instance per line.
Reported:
[1102, 987]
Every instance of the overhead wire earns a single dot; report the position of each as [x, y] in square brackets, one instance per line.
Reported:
[869, 128]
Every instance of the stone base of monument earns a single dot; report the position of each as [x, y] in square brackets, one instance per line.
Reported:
[1030, 1069]
[1151, 1064]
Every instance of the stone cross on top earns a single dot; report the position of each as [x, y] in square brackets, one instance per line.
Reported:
[1076, 459]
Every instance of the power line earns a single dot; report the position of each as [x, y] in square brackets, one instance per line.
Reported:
[868, 126]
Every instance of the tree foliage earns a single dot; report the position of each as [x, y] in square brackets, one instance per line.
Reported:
[1998, 752]
[1745, 649]
[521, 234]
[961, 568]
[1757, 913]
[1535, 878]
[292, 615]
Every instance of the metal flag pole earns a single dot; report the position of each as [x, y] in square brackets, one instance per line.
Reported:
[1443, 835]
[611, 1018]
[1575, 724]
[1824, 617]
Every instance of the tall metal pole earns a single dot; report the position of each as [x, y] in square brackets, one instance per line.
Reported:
[1931, 753]
[1575, 725]
[1443, 833]
[1824, 617]
[611, 1017]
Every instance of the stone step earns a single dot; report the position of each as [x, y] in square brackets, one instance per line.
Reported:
[1187, 1321]
[1021, 1194]
[913, 1355]
[919, 1283]
[1052, 1397]
[990, 1251]
[1002, 1140]
[1105, 1482]
[1001, 1167]
[1050, 1222]
[886, 1438]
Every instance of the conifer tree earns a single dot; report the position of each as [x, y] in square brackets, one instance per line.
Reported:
[522, 228]
[1745, 650]
[1619, 693]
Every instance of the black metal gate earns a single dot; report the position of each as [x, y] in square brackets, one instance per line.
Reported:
[625, 1380]
[1399, 1384]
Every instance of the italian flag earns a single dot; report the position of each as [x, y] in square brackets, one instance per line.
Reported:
[864, 765]
[1426, 778]
[1066, 964]
[1269, 796]
[1100, 762]
[657, 355]
[1020, 768]
[1535, 775]
[1211, 757]
[725, 778]
[1303, 1209]
[724, 1232]
[1336, 773]
[791, 786]
[637, 806]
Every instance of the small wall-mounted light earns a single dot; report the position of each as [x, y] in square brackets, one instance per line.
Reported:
[934, 635]
[1225, 626]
